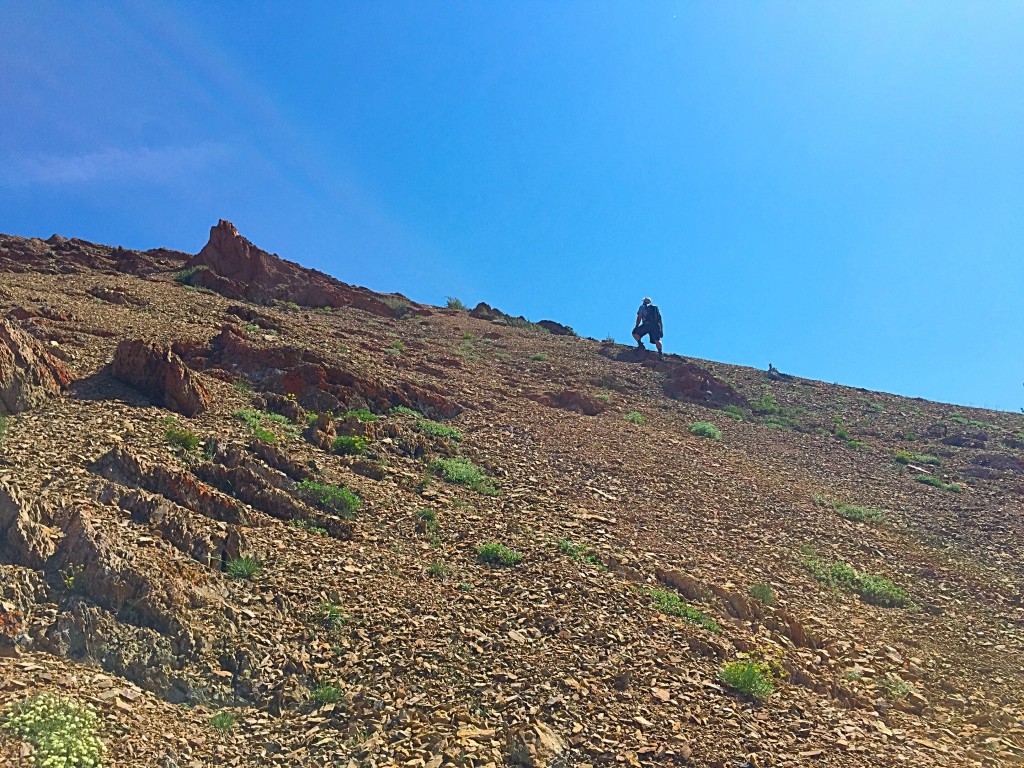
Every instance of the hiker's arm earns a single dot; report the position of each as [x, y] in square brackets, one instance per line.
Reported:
[638, 318]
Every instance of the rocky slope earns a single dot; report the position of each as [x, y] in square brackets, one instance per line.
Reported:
[170, 420]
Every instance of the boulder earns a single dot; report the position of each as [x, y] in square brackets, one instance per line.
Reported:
[29, 375]
[161, 374]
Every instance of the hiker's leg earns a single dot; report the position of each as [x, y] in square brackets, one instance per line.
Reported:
[658, 345]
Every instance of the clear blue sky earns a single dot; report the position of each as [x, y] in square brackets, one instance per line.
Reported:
[833, 187]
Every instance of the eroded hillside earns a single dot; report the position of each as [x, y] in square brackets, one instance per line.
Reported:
[251, 531]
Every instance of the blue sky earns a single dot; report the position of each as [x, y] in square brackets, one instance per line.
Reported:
[836, 188]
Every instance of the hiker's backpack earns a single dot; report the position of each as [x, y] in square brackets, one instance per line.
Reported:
[653, 315]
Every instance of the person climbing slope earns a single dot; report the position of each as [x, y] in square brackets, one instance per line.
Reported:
[648, 323]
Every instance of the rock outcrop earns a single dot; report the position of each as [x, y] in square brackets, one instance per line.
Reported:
[232, 266]
[161, 374]
[29, 375]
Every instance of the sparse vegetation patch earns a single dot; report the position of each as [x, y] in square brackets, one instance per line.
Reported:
[498, 554]
[244, 568]
[330, 498]
[349, 445]
[705, 429]
[936, 482]
[462, 471]
[635, 417]
[873, 589]
[223, 721]
[909, 457]
[361, 414]
[749, 678]
[62, 731]
[435, 429]
[764, 593]
[671, 604]
[578, 551]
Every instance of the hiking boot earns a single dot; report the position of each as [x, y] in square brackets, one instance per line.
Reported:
[640, 345]
[660, 355]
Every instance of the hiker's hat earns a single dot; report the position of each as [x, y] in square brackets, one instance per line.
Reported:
[647, 301]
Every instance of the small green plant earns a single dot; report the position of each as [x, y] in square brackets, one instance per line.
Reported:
[671, 604]
[860, 514]
[427, 518]
[181, 439]
[349, 445]
[361, 414]
[404, 410]
[454, 303]
[307, 525]
[873, 589]
[895, 687]
[705, 429]
[763, 592]
[608, 340]
[749, 678]
[635, 417]
[223, 721]
[395, 348]
[330, 498]
[766, 406]
[604, 397]
[242, 385]
[540, 357]
[734, 412]
[71, 576]
[3, 427]
[462, 471]
[909, 457]
[498, 554]
[936, 482]
[578, 552]
[959, 418]
[326, 694]
[434, 429]
[188, 276]
[331, 616]
[856, 445]
[244, 568]
[438, 570]
[62, 731]
[264, 435]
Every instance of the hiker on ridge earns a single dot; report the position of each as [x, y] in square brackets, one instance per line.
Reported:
[648, 323]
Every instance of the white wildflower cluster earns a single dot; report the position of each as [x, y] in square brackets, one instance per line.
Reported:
[62, 732]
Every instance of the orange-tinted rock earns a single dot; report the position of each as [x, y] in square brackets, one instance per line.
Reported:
[28, 373]
[161, 374]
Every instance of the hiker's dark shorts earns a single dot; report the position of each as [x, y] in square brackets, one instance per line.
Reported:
[648, 329]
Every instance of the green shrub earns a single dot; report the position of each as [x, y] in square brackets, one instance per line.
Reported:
[635, 417]
[62, 732]
[766, 406]
[936, 482]
[331, 616]
[349, 445]
[857, 445]
[326, 694]
[434, 429]
[895, 687]
[734, 412]
[188, 276]
[909, 457]
[873, 589]
[578, 552]
[454, 303]
[860, 514]
[244, 568]
[438, 569]
[3, 427]
[498, 554]
[306, 525]
[181, 438]
[361, 414]
[264, 435]
[540, 357]
[406, 411]
[330, 498]
[604, 397]
[428, 517]
[706, 429]
[670, 603]
[462, 471]
[223, 721]
[748, 677]
[764, 593]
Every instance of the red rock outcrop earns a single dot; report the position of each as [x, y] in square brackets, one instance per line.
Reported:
[61, 256]
[571, 400]
[161, 374]
[232, 266]
[28, 373]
